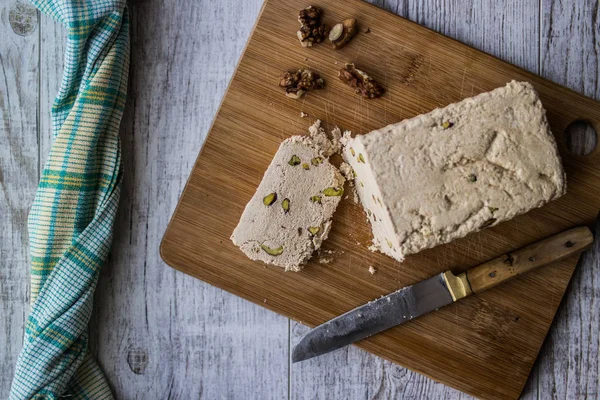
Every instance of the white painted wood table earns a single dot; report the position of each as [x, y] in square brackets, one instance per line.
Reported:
[159, 334]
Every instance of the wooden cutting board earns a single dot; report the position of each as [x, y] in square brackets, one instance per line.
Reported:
[484, 345]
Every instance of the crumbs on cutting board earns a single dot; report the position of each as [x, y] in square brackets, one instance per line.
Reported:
[327, 256]
[372, 270]
[325, 259]
[303, 114]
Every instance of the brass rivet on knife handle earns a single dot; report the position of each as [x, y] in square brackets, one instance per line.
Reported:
[458, 286]
[528, 258]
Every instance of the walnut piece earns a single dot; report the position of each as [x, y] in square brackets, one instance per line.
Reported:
[362, 83]
[299, 82]
[312, 30]
[341, 33]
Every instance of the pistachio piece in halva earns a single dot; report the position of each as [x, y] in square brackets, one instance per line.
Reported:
[333, 191]
[274, 252]
[285, 204]
[316, 160]
[295, 160]
[269, 199]
[314, 230]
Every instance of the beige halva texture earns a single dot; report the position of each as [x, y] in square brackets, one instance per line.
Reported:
[439, 176]
[290, 214]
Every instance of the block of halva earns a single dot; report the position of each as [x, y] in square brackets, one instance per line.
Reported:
[290, 214]
[437, 177]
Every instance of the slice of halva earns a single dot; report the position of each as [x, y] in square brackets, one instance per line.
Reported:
[290, 214]
[473, 164]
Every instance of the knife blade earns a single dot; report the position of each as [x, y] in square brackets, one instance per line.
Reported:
[438, 291]
[374, 317]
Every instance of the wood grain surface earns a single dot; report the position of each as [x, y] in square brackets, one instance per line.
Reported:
[484, 345]
[217, 342]
[19, 173]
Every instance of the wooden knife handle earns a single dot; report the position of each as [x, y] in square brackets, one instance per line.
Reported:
[528, 258]
[513, 264]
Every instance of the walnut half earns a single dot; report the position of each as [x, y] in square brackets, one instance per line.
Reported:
[341, 33]
[312, 29]
[298, 82]
[362, 83]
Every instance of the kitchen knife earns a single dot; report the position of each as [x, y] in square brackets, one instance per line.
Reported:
[442, 289]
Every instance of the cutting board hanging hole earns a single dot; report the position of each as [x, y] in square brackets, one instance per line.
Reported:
[581, 137]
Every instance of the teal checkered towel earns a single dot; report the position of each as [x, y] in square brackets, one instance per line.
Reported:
[71, 220]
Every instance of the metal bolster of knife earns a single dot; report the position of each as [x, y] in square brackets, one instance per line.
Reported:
[458, 286]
